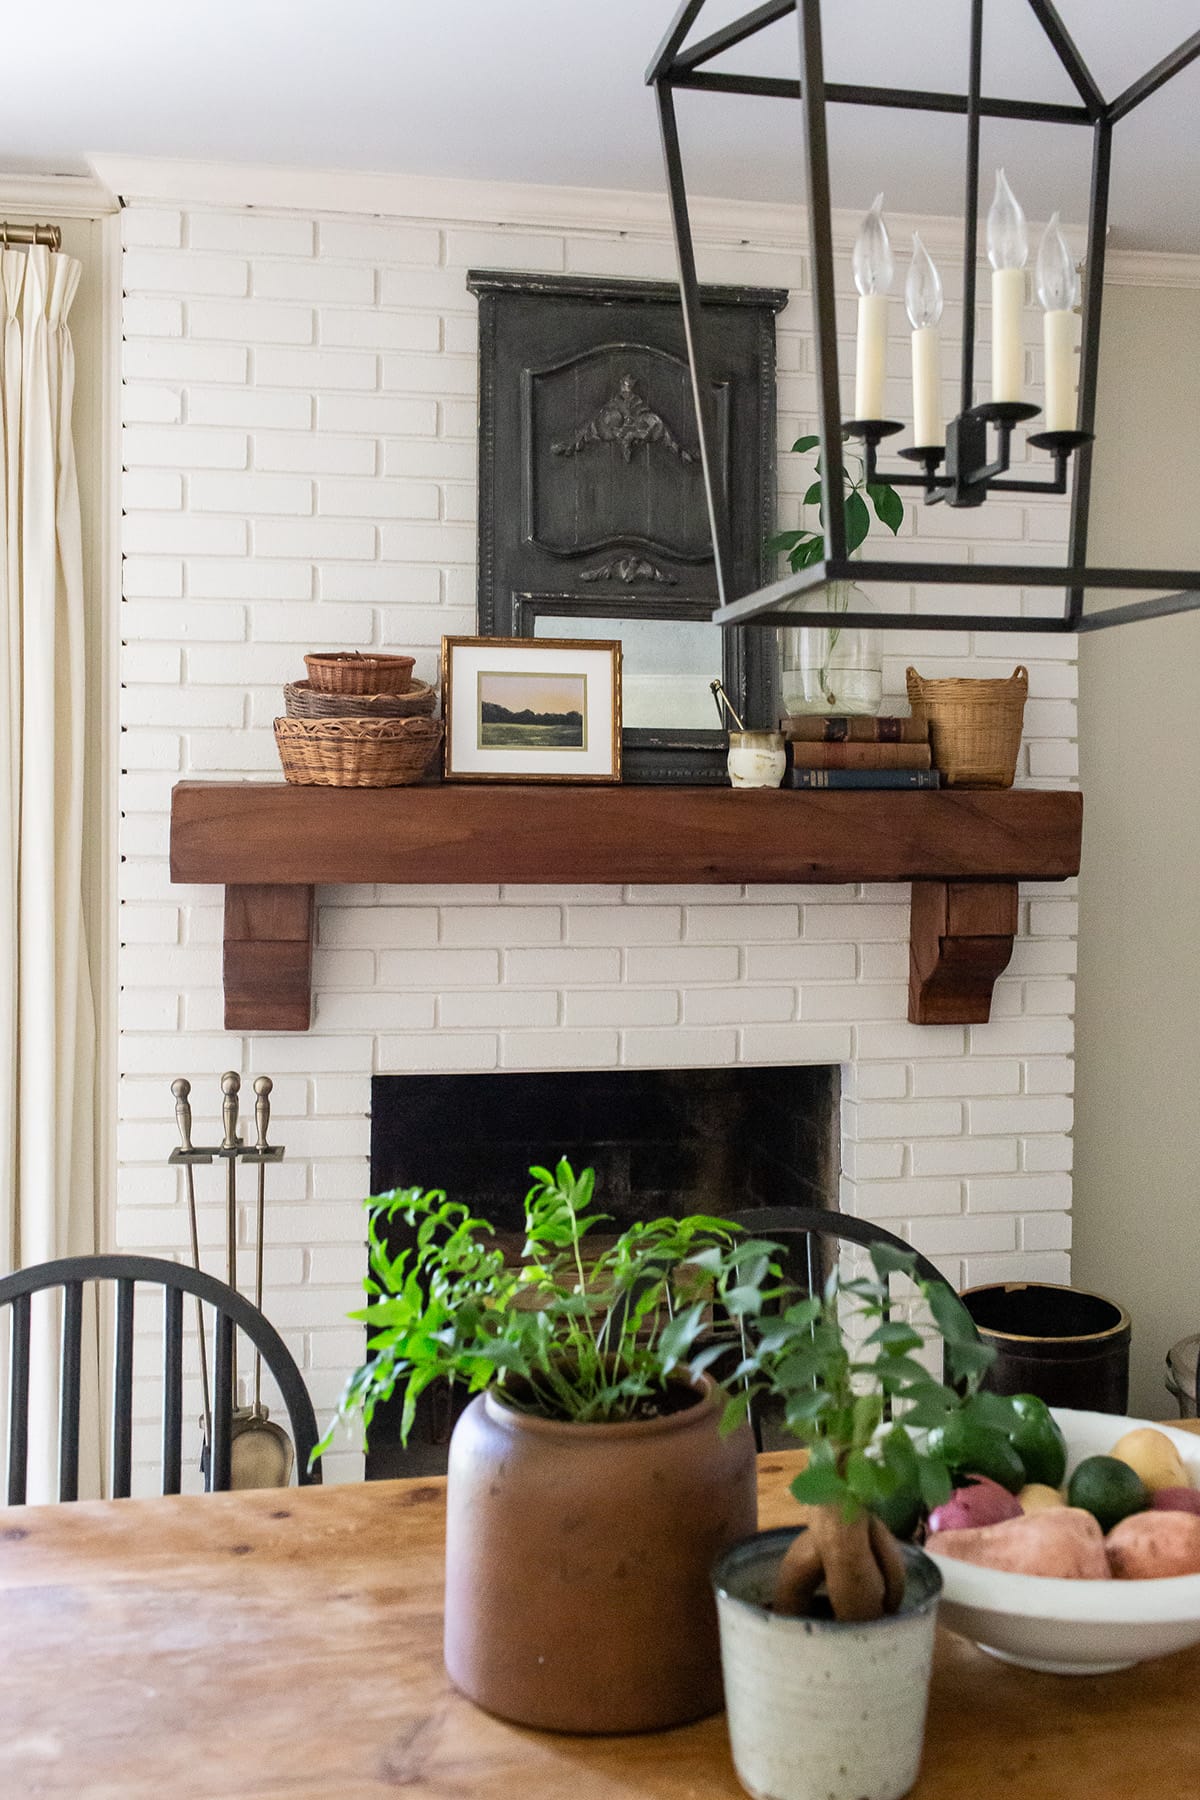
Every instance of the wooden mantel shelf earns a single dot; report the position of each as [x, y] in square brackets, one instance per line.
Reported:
[271, 844]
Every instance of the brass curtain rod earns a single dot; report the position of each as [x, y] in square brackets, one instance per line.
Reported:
[50, 235]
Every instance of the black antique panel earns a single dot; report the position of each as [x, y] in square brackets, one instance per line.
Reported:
[591, 497]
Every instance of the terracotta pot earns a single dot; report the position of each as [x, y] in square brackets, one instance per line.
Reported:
[578, 1564]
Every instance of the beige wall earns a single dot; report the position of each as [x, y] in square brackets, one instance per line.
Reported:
[1137, 1187]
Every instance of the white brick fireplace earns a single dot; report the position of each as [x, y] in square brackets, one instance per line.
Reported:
[299, 422]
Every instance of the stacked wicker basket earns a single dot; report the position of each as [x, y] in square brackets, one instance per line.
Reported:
[360, 720]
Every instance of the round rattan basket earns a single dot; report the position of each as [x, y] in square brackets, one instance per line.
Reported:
[357, 752]
[974, 726]
[359, 672]
[304, 701]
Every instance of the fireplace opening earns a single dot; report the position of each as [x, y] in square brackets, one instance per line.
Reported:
[662, 1142]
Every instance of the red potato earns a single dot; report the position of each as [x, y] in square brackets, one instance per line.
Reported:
[981, 1501]
[1063, 1541]
[1177, 1499]
[1149, 1545]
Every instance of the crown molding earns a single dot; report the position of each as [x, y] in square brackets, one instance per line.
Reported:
[755, 224]
[761, 224]
[1151, 268]
[54, 197]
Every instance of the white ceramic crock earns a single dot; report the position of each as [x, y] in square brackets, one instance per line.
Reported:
[756, 759]
[820, 1710]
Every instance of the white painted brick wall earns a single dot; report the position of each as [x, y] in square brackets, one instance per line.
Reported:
[299, 443]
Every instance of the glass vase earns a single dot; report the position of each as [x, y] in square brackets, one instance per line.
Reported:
[825, 669]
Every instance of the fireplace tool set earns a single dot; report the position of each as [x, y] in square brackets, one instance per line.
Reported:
[261, 1453]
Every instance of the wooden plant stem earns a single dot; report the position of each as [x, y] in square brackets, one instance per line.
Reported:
[891, 1563]
[858, 1560]
[853, 1579]
[799, 1576]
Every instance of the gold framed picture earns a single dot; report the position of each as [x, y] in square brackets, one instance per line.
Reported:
[531, 709]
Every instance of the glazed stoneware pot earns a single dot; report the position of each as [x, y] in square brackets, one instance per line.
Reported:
[579, 1562]
[820, 1710]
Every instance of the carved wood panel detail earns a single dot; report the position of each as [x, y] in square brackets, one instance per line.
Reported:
[624, 420]
[630, 569]
[603, 461]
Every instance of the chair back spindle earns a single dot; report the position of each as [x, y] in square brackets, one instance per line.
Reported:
[72, 1363]
[18, 1402]
[172, 1453]
[122, 1421]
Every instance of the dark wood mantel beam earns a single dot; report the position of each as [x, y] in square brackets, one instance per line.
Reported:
[270, 845]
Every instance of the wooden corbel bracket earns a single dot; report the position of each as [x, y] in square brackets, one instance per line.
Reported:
[268, 957]
[961, 939]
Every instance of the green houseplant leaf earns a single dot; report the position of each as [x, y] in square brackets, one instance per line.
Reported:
[803, 548]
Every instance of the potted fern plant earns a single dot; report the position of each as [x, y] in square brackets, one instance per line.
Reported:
[590, 1485]
[827, 1632]
[827, 669]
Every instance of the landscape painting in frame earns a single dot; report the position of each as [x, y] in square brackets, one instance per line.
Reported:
[532, 712]
[531, 709]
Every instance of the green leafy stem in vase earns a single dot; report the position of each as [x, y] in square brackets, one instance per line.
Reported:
[804, 547]
[568, 1331]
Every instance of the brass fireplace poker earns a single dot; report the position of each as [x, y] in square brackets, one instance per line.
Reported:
[261, 1452]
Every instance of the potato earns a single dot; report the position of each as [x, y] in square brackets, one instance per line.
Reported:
[1037, 1497]
[1149, 1545]
[979, 1501]
[1152, 1456]
[1176, 1500]
[1064, 1541]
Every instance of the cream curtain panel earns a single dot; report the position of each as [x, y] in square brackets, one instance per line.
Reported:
[47, 1024]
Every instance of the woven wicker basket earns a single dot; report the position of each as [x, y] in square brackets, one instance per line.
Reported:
[974, 726]
[304, 701]
[356, 752]
[359, 672]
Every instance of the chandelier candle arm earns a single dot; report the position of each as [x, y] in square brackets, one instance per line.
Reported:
[1058, 291]
[1008, 248]
[923, 303]
[873, 270]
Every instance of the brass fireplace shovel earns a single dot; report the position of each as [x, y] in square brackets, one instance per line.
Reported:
[261, 1452]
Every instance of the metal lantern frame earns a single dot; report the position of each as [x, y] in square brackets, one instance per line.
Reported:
[968, 476]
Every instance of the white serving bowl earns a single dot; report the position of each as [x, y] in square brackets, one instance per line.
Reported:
[1077, 1627]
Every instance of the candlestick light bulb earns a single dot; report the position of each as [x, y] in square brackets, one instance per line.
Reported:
[872, 258]
[923, 288]
[1007, 239]
[1057, 282]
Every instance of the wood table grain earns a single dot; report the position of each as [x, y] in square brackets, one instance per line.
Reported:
[286, 1646]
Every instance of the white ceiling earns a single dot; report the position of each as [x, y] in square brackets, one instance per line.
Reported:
[552, 91]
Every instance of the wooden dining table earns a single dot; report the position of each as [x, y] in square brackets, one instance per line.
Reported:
[286, 1645]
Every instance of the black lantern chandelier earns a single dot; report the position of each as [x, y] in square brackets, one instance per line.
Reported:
[974, 459]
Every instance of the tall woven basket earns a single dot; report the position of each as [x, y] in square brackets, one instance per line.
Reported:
[974, 726]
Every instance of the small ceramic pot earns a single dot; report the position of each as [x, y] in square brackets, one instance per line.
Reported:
[819, 1710]
[579, 1560]
[756, 758]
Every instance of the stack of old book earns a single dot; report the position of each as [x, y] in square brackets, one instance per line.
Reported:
[857, 752]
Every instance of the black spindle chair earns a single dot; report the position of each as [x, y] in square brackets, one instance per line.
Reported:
[812, 1224]
[231, 1311]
